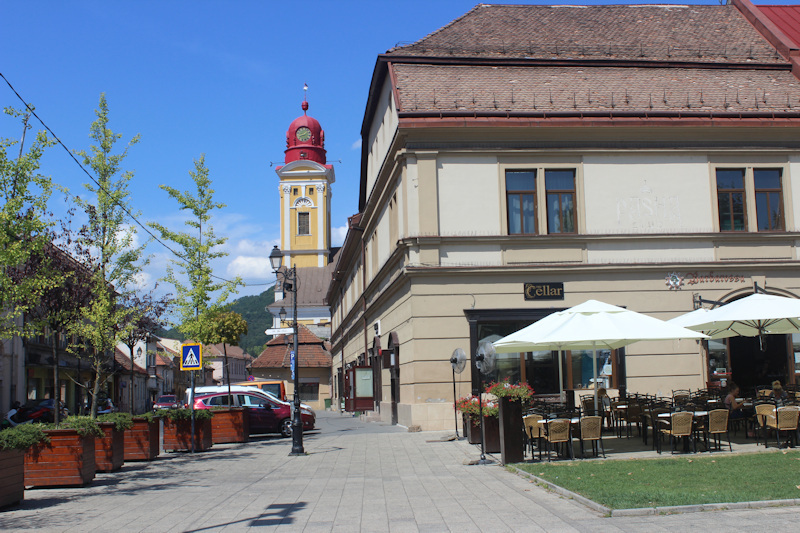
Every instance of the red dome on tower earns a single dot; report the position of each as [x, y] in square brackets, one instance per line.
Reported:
[305, 139]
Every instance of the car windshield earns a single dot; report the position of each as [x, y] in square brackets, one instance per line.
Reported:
[166, 399]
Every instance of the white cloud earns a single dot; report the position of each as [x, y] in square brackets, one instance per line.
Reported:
[249, 267]
[337, 235]
[356, 145]
[143, 281]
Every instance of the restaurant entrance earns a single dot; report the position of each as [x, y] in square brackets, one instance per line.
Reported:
[751, 366]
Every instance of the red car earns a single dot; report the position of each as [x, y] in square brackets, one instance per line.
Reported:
[167, 401]
[267, 415]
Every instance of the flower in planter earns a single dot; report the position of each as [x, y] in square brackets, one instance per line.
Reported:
[516, 392]
[470, 406]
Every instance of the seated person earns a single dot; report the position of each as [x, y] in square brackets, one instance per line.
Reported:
[732, 404]
[778, 394]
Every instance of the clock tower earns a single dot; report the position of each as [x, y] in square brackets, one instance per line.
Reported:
[305, 193]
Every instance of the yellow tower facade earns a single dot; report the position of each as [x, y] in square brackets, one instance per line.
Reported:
[305, 193]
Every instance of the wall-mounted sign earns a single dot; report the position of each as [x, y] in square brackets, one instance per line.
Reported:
[544, 291]
[676, 280]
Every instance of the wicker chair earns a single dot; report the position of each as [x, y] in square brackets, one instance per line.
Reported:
[718, 426]
[680, 426]
[534, 431]
[633, 415]
[765, 418]
[592, 430]
[558, 432]
[785, 420]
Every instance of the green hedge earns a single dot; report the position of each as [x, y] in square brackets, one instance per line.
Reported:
[122, 421]
[22, 437]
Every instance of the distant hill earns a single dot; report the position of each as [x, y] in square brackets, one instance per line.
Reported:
[253, 310]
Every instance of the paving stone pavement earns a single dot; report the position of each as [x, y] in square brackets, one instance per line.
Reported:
[357, 476]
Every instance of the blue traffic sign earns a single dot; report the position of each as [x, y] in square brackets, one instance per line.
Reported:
[291, 362]
[191, 356]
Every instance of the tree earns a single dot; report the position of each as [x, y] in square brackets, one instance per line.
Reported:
[195, 300]
[24, 225]
[114, 259]
[143, 317]
[59, 305]
[227, 328]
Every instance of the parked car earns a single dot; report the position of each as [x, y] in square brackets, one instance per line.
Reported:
[267, 414]
[209, 389]
[167, 401]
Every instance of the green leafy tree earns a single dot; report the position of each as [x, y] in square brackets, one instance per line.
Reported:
[201, 298]
[113, 258]
[227, 327]
[25, 224]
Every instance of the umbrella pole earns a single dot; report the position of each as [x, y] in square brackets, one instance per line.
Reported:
[594, 369]
[560, 377]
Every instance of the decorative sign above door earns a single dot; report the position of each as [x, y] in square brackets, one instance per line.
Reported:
[544, 291]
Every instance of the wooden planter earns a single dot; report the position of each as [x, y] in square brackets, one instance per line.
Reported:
[492, 433]
[12, 477]
[109, 450]
[141, 441]
[230, 425]
[178, 436]
[68, 460]
[512, 444]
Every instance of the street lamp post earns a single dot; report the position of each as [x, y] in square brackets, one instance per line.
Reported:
[289, 276]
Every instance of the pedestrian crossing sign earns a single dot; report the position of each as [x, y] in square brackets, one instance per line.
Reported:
[191, 356]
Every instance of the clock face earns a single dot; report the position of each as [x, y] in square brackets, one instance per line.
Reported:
[303, 134]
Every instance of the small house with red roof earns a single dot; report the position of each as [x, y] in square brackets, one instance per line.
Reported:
[314, 365]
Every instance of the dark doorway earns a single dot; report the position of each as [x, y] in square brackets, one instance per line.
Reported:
[753, 367]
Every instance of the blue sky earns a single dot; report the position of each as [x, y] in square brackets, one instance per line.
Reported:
[224, 78]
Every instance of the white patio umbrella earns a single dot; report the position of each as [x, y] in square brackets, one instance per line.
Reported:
[591, 325]
[757, 314]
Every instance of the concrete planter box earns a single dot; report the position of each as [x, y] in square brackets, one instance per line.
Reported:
[68, 460]
[178, 436]
[12, 477]
[230, 425]
[141, 441]
[109, 450]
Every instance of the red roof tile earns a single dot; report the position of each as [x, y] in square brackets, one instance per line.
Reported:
[125, 362]
[454, 88]
[310, 348]
[635, 32]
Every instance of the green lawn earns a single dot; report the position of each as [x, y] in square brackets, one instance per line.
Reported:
[687, 480]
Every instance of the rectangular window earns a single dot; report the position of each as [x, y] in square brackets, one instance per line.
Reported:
[303, 224]
[309, 392]
[295, 191]
[521, 201]
[769, 199]
[730, 198]
[560, 188]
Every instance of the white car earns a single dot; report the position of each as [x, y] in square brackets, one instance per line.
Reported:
[210, 389]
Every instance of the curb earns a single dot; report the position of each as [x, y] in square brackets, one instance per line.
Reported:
[647, 511]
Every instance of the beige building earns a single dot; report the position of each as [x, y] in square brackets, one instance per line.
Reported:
[524, 159]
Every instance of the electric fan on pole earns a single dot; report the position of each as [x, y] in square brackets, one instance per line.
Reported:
[458, 361]
[484, 361]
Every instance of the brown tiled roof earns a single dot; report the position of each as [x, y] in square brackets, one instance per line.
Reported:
[453, 88]
[310, 348]
[163, 360]
[312, 284]
[621, 32]
[216, 350]
[125, 362]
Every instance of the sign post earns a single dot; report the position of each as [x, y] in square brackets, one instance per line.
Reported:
[192, 359]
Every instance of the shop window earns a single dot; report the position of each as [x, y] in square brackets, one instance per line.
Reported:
[719, 368]
[521, 201]
[303, 226]
[730, 198]
[309, 392]
[581, 369]
[769, 199]
[560, 189]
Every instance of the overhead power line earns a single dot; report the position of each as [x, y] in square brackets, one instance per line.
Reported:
[30, 109]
